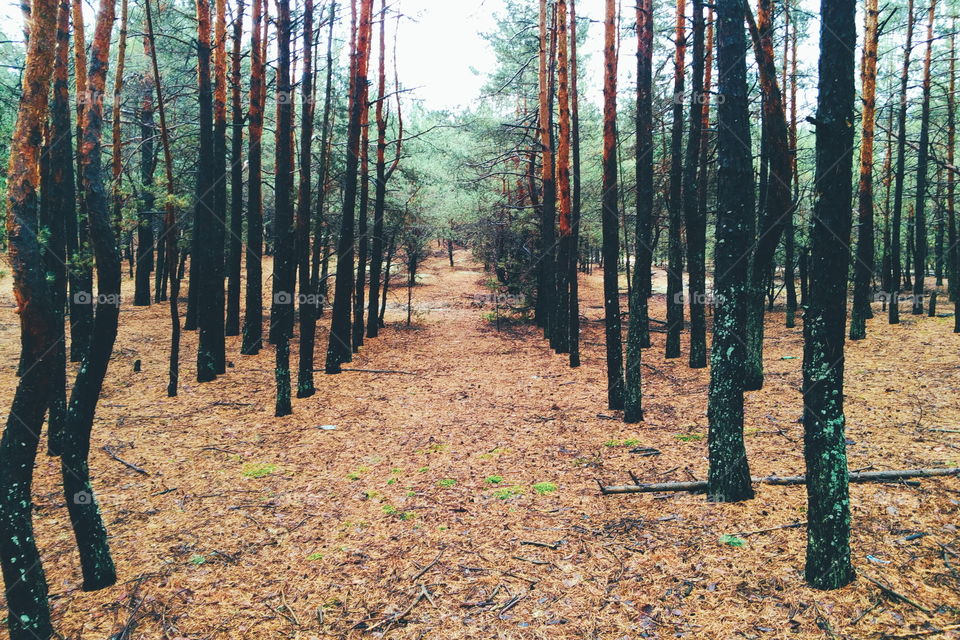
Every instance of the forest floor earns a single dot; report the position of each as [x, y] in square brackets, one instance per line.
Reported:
[461, 501]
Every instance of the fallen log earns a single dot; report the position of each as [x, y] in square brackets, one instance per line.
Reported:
[701, 486]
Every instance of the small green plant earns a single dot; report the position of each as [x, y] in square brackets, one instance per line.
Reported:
[353, 476]
[494, 479]
[197, 559]
[493, 453]
[313, 557]
[587, 462]
[423, 469]
[543, 488]
[629, 442]
[732, 540]
[392, 481]
[693, 436]
[408, 515]
[258, 469]
[447, 483]
[507, 493]
[389, 509]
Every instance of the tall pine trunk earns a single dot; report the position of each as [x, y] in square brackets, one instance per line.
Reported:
[923, 158]
[776, 204]
[339, 349]
[308, 306]
[896, 264]
[560, 334]
[574, 306]
[253, 318]
[675, 201]
[61, 196]
[828, 563]
[81, 282]
[284, 261]
[863, 265]
[234, 255]
[26, 586]
[170, 230]
[88, 528]
[729, 475]
[609, 217]
[695, 221]
[638, 332]
[546, 281]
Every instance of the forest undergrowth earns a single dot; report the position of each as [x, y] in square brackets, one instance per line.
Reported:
[451, 490]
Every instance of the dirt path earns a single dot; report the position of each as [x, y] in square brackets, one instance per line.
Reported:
[384, 488]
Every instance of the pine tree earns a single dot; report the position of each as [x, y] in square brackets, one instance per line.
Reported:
[610, 219]
[729, 475]
[828, 503]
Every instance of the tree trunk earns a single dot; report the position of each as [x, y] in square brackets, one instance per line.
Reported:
[546, 280]
[339, 348]
[896, 265]
[560, 334]
[609, 217]
[284, 269]
[790, 230]
[863, 265]
[232, 322]
[777, 203]
[145, 262]
[675, 203]
[91, 536]
[953, 250]
[828, 504]
[201, 289]
[170, 230]
[116, 150]
[363, 239]
[81, 284]
[923, 155]
[729, 476]
[321, 234]
[61, 196]
[638, 331]
[253, 318]
[574, 306]
[383, 175]
[308, 306]
[695, 222]
[26, 586]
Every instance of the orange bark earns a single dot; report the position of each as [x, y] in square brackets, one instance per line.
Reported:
[563, 144]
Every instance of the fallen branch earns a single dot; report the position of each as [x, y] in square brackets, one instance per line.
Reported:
[397, 371]
[546, 545]
[927, 634]
[794, 525]
[428, 567]
[128, 465]
[896, 595]
[701, 486]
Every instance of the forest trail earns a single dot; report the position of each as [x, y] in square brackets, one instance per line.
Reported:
[242, 525]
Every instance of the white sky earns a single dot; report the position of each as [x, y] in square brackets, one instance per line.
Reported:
[441, 50]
